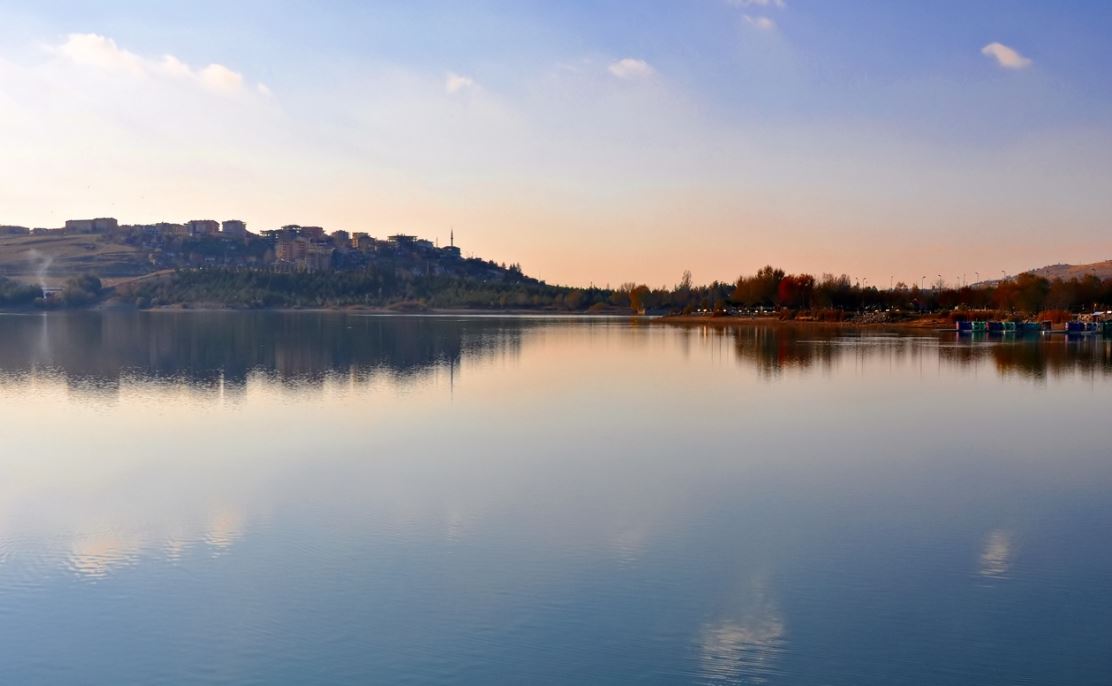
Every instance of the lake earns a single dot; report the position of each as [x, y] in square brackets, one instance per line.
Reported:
[290, 498]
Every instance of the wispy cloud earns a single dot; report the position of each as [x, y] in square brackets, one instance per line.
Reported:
[757, 3]
[454, 83]
[100, 52]
[631, 68]
[759, 22]
[1006, 57]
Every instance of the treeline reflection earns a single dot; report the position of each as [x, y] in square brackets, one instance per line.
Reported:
[1038, 358]
[773, 349]
[94, 350]
[91, 349]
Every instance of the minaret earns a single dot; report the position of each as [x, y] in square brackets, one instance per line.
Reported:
[453, 238]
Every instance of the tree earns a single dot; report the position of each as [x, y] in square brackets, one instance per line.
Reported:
[638, 298]
[14, 293]
[685, 281]
[81, 290]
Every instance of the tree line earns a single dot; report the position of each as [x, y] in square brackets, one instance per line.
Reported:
[373, 287]
[829, 295]
[770, 289]
[77, 291]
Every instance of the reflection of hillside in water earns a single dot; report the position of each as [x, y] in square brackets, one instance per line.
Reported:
[99, 350]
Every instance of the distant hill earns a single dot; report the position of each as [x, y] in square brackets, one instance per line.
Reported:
[1102, 270]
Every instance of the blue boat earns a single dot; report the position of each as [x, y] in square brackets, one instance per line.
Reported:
[1077, 328]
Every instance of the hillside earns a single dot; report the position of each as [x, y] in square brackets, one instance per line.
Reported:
[1102, 270]
[295, 266]
[55, 258]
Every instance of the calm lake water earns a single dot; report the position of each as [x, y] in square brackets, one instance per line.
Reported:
[327, 498]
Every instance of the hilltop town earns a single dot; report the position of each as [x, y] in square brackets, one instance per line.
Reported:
[109, 249]
[207, 263]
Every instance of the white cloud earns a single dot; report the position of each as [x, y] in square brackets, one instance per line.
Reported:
[100, 52]
[630, 68]
[762, 23]
[172, 66]
[220, 78]
[1006, 57]
[454, 83]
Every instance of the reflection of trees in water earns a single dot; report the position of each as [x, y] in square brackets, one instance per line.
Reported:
[775, 348]
[97, 350]
[772, 349]
[1034, 357]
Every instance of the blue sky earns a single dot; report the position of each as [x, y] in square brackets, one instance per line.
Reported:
[592, 141]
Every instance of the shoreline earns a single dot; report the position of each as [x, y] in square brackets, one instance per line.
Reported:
[346, 309]
[931, 323]
[920, 324]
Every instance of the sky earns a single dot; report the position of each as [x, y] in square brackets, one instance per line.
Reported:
[593, 142]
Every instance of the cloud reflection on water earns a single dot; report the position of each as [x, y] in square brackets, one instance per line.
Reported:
[746, 648]
[996, 557]
[97, 554]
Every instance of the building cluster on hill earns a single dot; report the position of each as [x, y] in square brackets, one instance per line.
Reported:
[291, 248]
